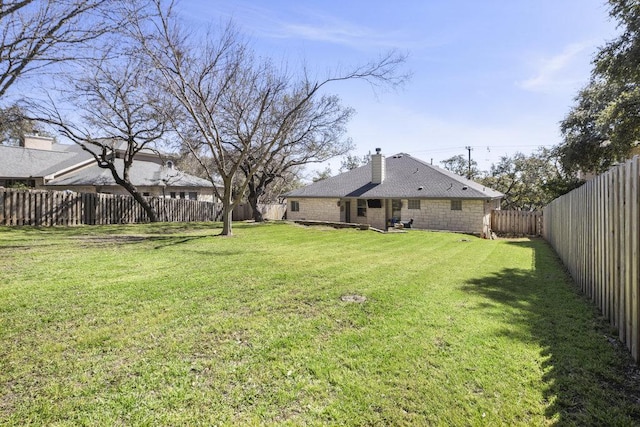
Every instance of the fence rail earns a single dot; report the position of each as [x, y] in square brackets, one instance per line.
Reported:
[596, 232]
[519, 223]
[47, 208]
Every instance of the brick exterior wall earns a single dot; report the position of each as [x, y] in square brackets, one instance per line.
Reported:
[437, 215]
[316, 210]
[433, 214]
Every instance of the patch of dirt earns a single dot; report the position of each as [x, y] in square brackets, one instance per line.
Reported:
[353, 298]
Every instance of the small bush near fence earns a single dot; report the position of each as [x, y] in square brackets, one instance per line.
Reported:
[46, 208]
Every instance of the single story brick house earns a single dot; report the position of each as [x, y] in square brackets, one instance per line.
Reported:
[41, 163]
[397, 189]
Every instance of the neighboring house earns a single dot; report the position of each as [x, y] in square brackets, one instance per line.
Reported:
[398, 189]
[42, 164]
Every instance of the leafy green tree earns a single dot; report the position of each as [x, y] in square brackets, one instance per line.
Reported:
[14, 125]
[352, 161]
[323, 174]
[529, 182]
[592, 141]
[459, 165]
[604, 124]
[619, 59]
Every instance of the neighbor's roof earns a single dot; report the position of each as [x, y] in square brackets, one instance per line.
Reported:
[405, 177]
[142, 173]
[20, 162]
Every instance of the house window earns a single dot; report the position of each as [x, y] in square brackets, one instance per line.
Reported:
[183, 195]
[145, 194]
[414, 204]
[193, 195]
[173, 194]
[295, 206]
[456, 205]
[362, 207]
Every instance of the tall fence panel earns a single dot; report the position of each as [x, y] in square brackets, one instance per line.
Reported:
[520, 223]
[48, 208]
[595, 230]
[275, 211]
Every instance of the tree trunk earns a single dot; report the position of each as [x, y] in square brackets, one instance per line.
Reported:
[227, 211]
[252, 198]
[257, 215]
[131, 189]
[151, 213]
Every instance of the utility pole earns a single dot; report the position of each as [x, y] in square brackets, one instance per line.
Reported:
[468, 148]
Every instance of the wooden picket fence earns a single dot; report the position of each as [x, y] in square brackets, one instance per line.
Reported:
[48, 208]
[272, 211]
[596, 232]
[516, 223]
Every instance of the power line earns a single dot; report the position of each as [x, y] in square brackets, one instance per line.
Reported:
[488, 147]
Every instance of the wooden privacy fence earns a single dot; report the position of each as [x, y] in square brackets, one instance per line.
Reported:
[46, 208]
[243, 211]
[595, 231]
[520, 223]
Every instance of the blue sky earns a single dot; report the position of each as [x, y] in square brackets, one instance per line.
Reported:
[494, 75]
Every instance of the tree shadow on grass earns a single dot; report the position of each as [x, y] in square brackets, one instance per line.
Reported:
[590, 377]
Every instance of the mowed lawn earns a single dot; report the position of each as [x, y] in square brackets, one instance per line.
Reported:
[168, 324]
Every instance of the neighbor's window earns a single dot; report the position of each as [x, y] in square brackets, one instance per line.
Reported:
[173, 194]
[146, 194]
[413, 204]
[193, 195]
[456, 205]
[295, 206]
[362, 207]
[183, 195]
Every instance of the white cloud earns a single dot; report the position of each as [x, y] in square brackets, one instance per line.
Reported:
[336, 32]
[309, 24]
[564, 71]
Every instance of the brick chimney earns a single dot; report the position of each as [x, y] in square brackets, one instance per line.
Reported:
[377, 167]
[37, 142]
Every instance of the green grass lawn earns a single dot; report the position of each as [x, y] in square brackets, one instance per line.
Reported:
[168, 324]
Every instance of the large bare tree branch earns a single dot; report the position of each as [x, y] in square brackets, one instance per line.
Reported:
[35, 34]
[117, 107]
[239, 109]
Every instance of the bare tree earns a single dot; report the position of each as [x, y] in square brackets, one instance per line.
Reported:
[316, 135]
[37, 33]
[237, 107]
[116, 109]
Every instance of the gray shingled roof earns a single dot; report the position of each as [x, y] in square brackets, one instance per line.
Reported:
[406, 177]
[19, 162]
[141, 174]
